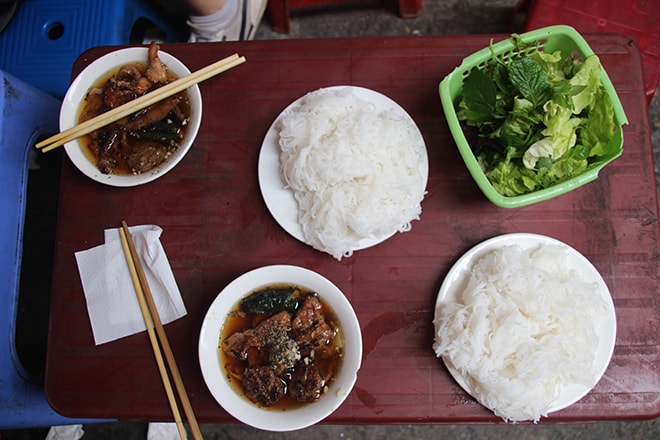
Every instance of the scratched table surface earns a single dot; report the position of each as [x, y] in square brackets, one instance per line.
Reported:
[216, 227]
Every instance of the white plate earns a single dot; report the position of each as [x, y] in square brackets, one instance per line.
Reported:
[213, 372]
[86, 79]
[280, 200]
[458, 275]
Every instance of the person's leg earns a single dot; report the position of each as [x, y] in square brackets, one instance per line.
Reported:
[224, 20]
[204, 7]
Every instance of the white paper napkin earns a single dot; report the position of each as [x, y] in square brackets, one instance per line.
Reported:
[65, 432]
[112, 304]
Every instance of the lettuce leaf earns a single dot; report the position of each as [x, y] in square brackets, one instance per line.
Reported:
[588, 77]
[599, 127]
[560, 134]
[551, 64]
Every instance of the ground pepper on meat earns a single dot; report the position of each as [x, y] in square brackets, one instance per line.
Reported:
[286, 358]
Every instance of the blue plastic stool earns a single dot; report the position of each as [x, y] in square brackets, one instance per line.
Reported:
[26, 114]
[41, 43]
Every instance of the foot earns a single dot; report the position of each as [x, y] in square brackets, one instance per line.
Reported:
[243, 26]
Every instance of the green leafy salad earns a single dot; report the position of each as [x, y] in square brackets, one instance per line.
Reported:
[534, 119]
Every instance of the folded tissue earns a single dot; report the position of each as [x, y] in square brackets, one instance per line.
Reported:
[112, 303]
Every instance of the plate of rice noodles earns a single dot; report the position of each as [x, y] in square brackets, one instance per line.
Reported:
[525, 324]
[343, 168]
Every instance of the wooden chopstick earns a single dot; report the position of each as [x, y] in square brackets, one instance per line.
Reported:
[152, 337]
[144, 292]
[143, 101]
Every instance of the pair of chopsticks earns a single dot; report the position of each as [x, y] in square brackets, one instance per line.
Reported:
[140, 103]
[151, 321]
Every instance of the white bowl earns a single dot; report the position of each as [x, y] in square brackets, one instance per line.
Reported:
[213, 372]
[86, 79]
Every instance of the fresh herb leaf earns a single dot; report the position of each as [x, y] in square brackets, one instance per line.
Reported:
[530, 79]
[479, 95]
[270, 300]
[500, 75]
[563, 92]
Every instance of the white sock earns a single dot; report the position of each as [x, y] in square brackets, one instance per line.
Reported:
[65, 432]
[218, 19]
[162, 431]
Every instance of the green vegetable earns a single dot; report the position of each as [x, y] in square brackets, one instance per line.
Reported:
[270, 300]
[541, 117]
[530, 79]
[479, 95]
[166, 132]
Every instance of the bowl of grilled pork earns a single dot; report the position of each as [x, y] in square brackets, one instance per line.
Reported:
[280, 348]
[148, 143]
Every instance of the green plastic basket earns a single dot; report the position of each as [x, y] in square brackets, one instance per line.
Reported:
[551, 38]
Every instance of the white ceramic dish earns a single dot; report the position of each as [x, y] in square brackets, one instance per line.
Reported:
[90, 75]
[459, 274]
[280, 200]
[214, 375]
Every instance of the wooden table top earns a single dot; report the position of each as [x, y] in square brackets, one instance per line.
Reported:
[216, 226]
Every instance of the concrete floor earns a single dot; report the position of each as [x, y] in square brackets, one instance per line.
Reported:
[374, 18]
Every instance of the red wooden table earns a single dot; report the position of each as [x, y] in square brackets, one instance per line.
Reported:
[216, 227]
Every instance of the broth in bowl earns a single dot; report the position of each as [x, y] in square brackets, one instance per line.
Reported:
[281, 347]
[320, 338]
[140, 142]
[101, 69]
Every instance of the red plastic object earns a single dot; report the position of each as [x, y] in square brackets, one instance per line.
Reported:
[637, 19]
